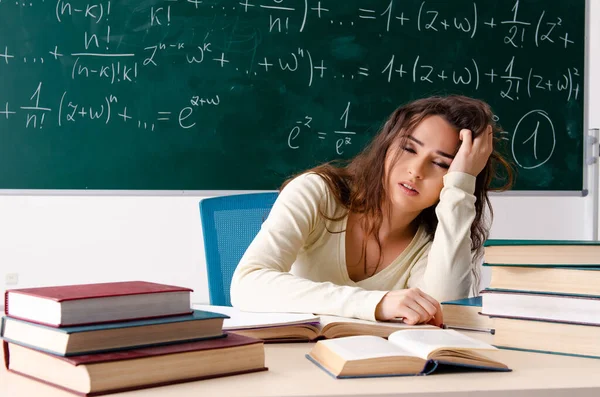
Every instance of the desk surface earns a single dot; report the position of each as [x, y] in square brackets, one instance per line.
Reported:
[291, 374]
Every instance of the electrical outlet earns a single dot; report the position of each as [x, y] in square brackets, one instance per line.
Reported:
[11, 279]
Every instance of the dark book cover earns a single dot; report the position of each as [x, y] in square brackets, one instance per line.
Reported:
[62, 293]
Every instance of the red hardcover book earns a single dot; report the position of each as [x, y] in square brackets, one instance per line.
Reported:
[107, 373]
[82, 304]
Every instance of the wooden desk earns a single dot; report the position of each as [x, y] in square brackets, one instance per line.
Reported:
[291, 374]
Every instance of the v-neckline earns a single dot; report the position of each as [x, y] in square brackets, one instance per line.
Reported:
[342, 255]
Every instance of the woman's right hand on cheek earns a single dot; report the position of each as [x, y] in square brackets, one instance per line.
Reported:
[413, 305]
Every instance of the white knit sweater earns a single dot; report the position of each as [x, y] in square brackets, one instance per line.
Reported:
[296, 265]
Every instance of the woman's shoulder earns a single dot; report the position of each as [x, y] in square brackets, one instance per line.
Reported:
[308, 182]
[312, 189]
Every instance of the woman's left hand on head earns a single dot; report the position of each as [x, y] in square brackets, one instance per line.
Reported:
[473, 154]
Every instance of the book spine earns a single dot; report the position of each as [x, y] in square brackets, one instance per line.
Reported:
[6, 354]
[63, 325]
[68, 354]
[112, 295]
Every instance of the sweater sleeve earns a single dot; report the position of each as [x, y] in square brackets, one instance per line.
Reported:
[449, 271]
[262, 281]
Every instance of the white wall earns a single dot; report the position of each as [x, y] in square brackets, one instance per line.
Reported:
[77, 239]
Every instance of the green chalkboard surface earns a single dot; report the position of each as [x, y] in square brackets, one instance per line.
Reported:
[240, 94]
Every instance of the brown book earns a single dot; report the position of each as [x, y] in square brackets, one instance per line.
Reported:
[97, 338]
[81, 304]
[547, 337]
[104, 373]
[549, 278]
[542, 252]
[405, 352]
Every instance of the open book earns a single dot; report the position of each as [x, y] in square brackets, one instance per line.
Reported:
[406, 352]
[288, 327]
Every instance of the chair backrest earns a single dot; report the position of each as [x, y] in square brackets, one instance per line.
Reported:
[229, 224]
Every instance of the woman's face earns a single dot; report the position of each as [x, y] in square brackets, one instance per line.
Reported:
[415, 180]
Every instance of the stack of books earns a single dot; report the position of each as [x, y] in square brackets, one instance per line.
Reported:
[544, 295]
[93, 339]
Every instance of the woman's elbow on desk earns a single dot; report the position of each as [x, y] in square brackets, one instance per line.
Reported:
[241, 289]
[249, 285]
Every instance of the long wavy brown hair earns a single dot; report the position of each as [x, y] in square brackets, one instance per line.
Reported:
[359, 184]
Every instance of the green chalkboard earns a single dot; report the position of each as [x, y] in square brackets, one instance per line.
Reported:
[240, 94]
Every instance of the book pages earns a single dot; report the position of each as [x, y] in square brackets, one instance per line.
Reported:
[422, 342]
[247, 320]
[364, 347]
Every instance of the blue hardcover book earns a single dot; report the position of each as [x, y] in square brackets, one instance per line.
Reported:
[96, 338]
[414, 351]
[474, 301]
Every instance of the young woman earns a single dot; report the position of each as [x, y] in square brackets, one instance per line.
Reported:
[389, 235]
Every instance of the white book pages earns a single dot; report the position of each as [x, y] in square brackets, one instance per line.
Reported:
[364, 347]
[423, 341]
[247, 320]
[326, 319]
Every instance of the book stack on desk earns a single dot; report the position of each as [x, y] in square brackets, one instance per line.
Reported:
[93, 339]
[544, 295]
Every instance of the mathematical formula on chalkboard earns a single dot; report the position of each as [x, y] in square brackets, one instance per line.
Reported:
[322, 74]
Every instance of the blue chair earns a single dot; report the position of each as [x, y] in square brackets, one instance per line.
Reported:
[229, 224]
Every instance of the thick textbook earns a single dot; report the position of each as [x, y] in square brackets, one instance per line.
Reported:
[465, 314]
[405, 352]
[547, 337]
[282, 327]
[542, 306]
[81, 304]
[87, 339]
[104, 373]
[581, 280]
[542, 252]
